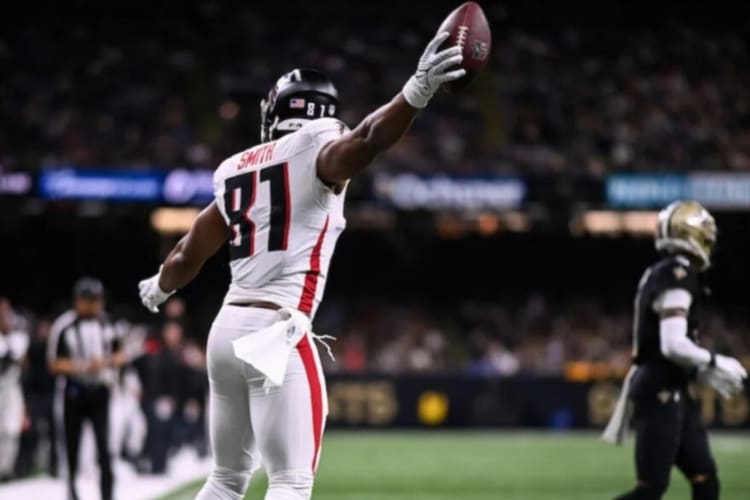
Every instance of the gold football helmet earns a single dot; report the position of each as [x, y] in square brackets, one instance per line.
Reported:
[687, 227]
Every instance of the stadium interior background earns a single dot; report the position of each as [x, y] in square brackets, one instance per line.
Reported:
[503, 239]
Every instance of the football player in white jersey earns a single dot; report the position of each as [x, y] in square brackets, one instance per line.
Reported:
[280, 205]
[14, 343]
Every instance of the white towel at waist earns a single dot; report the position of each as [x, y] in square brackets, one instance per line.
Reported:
[268, 350]
[617, 428]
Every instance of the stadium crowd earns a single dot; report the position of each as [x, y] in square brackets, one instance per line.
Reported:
[182, 89]
[532, 336]
[160, 397]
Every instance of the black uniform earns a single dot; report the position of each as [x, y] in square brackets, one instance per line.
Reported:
[83, 397]
[39, 389]
[666, 418]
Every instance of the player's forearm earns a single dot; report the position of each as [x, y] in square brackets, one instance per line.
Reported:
[65, 366]
[346, 156]
[178, 269]
[677, 347]
[380, 130]
[385, 126]
[204, 239]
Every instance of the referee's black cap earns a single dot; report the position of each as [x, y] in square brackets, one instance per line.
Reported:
[88, 288]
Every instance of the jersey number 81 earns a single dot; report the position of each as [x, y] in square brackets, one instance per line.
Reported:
[239, 199]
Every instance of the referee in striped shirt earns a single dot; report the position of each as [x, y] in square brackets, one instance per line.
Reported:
[83, 353]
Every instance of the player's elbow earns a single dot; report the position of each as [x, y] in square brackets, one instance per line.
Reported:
[367, 143]
[336, 165]
[673, 336]
[670, 351]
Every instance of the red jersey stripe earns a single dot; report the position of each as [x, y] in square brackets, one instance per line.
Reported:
[316, 394]
[307, 300]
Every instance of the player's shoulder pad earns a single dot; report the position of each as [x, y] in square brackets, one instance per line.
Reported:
[62, 322]
[324, 126]
[227, 166]
[675, 271]
[65, 319]
[232, 161]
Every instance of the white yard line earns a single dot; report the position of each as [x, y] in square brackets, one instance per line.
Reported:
[184, 467]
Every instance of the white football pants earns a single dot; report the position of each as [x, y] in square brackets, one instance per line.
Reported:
[283, 425]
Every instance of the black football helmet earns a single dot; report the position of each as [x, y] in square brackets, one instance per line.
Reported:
[298, 97]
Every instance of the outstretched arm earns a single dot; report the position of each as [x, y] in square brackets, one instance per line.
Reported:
[206, 236]
[344, 157]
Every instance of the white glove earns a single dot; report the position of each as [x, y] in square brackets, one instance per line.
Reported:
[432, 72]
[730, 368]
[726, 376]
[151, 295]
[726, 388]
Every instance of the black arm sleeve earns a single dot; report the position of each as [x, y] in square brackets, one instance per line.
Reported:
[62, 350]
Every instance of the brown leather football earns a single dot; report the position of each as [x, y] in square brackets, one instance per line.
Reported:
[469, 29]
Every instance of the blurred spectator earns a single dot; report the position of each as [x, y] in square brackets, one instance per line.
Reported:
[128, 423]
[39, 392]
[353, 354]
[195, 388]
[175, 310]
[495, 360]
[166, 390]
[13, 346]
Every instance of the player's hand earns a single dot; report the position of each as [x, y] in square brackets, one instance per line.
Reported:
[730, 368]
[726, 388]
[726, 377]
[434, 69]
[95, 366]
[151, 295]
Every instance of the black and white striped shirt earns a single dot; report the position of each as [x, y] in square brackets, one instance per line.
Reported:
[83, 340]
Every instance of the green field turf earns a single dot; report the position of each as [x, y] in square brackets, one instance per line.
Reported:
[487, 465]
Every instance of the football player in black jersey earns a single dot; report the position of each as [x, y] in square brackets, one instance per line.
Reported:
[667, 358]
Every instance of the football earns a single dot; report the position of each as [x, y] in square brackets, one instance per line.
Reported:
[469, 29]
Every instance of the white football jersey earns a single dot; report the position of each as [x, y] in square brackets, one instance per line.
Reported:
[13, 347]
[283, 220]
